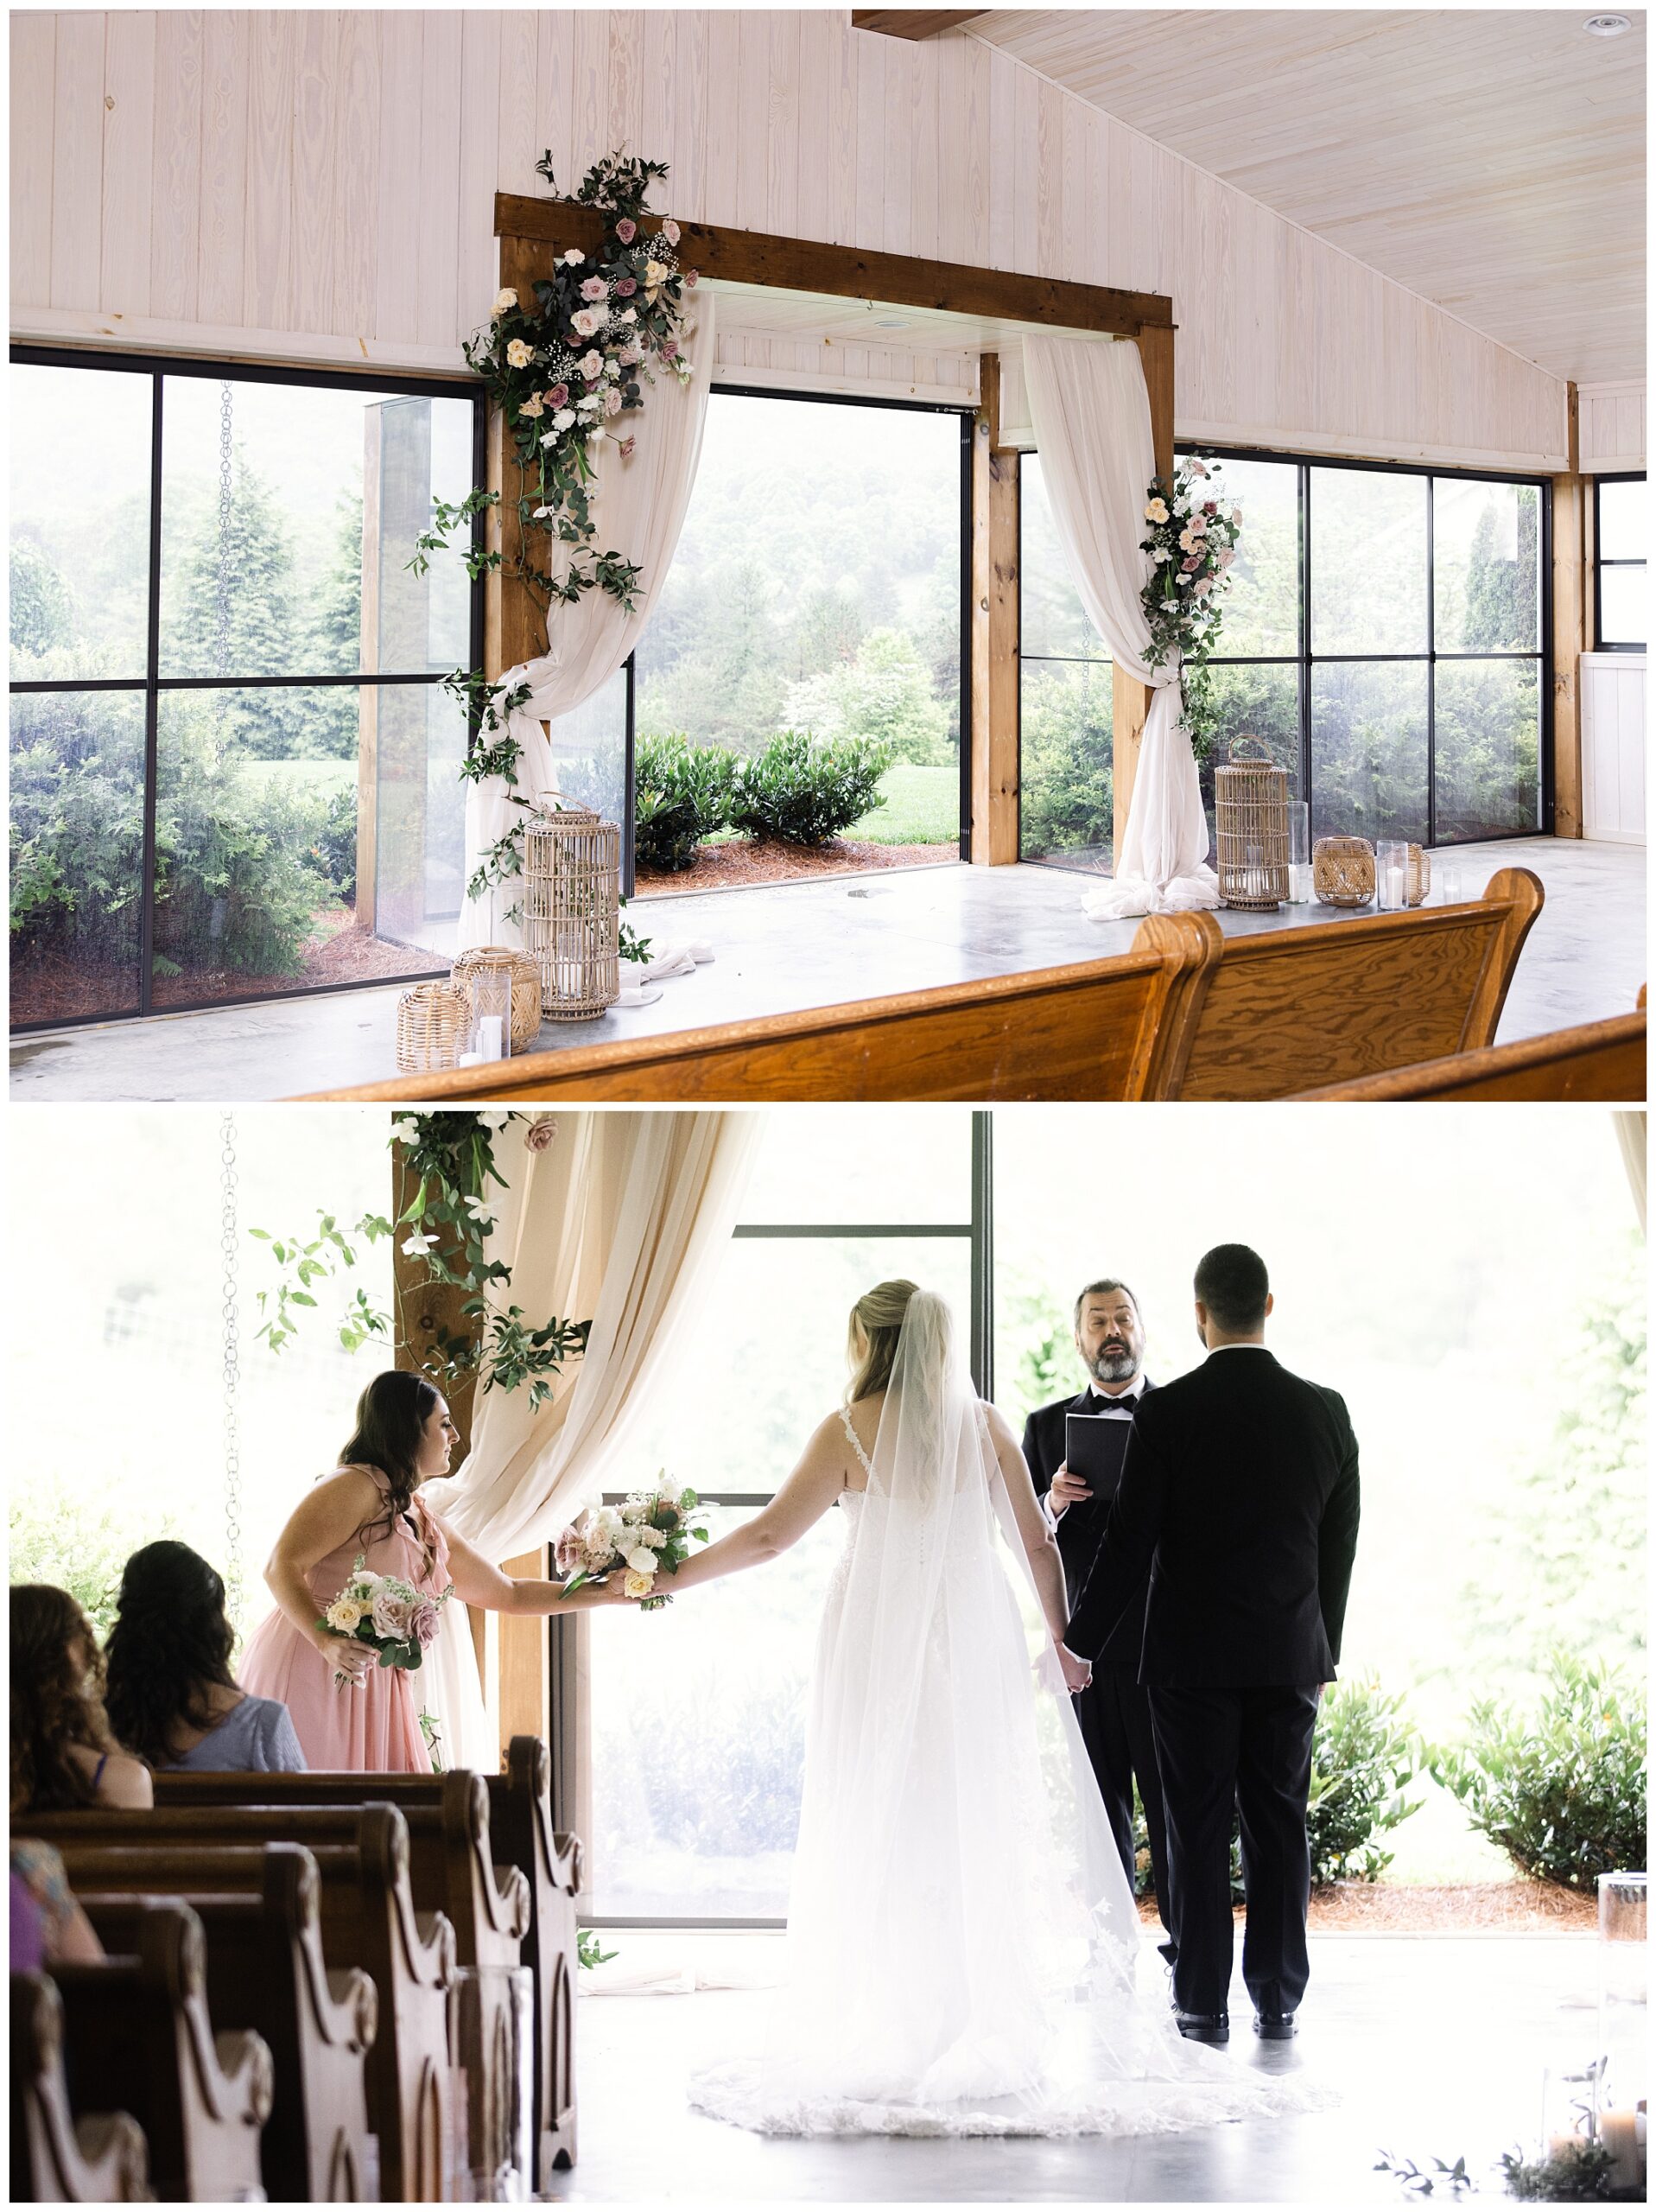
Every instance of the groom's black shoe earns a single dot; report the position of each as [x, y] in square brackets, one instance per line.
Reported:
[1275, 2027]
[1204, 2027]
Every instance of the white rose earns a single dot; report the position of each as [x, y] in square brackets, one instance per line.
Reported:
[407, 1131]
[642, 1562]
[628, 315]
[655, 272]
[587, 402]
[591, 363]
[504, 302]
[573, 258]
[564, 419]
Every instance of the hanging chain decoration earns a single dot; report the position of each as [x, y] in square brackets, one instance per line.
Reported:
[564, 368]
[228, 1314]
[221, 643]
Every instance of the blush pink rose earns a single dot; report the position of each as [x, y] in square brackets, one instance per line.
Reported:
[625, 287]
[669, 231]
[1190, 564]
[669, 351]
[391, 1615]
[539, 1134]
[611, 401]
[690, 277]
[594, 288]
[625, 446]
[570, 1551]
[423, 1622]
[558, 396]
[626, 229]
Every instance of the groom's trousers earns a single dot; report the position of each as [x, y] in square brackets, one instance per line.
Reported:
[1249, 1748]
[1113, 1711]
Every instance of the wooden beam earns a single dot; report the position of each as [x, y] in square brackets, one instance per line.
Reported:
[911, 23]
[1130, 701]
[846, 272]
[514, 624]
[525, 1655]
[995, 628]
[1572, 506]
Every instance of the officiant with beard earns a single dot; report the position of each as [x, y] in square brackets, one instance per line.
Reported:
[1115, 1709]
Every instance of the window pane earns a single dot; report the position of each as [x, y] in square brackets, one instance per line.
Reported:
[1066, 747]
[816, 585]
[1487, 566]
[1624, 512]
[1487, 721]
[1262, 701]
[1368, 562]
[1262, 605]
[1053, 621]
[834, 1163]
[1368, 750]
[258, 887]
[698, 1739]
[311, 471]
[590, 750]
[1623, 605]
[77, 850]
[80, 567]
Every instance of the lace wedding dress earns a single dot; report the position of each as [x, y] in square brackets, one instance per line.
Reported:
[961, 1939]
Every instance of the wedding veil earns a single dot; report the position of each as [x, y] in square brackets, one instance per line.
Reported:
[964, 1942]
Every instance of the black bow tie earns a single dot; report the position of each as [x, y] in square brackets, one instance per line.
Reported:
[1124, 1405]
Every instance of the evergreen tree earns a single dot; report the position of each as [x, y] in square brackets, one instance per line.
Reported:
[256, 556]
[42, 614]
[332, 644]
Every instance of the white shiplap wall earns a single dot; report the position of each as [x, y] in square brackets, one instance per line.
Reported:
[319, 184]
[1612, 746]
[1611, 428]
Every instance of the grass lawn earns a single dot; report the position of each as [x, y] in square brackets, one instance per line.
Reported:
[923, 807]
[303, 775]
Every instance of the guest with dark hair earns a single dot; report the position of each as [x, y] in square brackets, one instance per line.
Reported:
[172, 1697]
[48, 1927]
[62, 1753]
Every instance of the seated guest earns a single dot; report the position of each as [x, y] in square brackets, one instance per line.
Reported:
[48, 1927]
[62, 1753]
[172, 1697]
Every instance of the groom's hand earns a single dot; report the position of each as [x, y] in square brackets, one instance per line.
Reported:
[1067, 1489]
[1077, 1672]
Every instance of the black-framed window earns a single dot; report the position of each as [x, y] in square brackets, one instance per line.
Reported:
[1388, 635]
[234, 772]
[820, 582]
[694, 1736]
[1621, 544]
[1065, 701]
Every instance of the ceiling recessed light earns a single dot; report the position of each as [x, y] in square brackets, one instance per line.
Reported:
[891, 323]
[1607, 26]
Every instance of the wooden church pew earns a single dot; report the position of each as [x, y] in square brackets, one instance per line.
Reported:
[100, 2158]
[266, 1971]
[1188, 1013]
[521, 1836]
[1601, 1061]
[1288, 1010]
[368, 1920]
[139, 2035]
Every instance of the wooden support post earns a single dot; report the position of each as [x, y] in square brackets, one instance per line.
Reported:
[1130, 701]
[994, 611]
[514, 626]
[1571, 629]
[525, 1653]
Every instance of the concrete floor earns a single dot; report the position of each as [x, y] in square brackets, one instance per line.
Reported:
[816, 944]
[1435, 2046]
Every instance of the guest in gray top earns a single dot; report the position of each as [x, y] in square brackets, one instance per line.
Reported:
[171, 1696]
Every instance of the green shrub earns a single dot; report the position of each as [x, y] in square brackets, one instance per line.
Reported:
[1562, 1793]
[683, 797]
[332, 851]
[802, 791]
[1363, 1759]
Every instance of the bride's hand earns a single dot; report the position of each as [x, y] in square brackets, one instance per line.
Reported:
[350, 1660]
[1077, 1672]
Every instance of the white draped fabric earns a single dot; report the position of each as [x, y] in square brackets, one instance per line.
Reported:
[1630, 1135]
[1091, 415]
[639, 506]
[625, 1219]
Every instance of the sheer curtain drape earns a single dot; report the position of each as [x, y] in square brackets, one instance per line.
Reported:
[624, 1217]
[639, 506]
[1630, 1135]
[1091, 415]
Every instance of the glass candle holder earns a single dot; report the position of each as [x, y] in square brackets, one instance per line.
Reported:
[1390, 874]
[1570, 2106]
[1623, 2017]
[1299, 853]
[489, 990]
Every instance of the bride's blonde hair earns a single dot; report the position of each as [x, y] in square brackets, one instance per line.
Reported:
[879, 1315]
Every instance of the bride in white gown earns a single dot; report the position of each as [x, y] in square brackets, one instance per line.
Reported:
[962, 1940]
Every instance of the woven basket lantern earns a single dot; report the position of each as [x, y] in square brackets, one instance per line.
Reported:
[1417, 881]
[1251, 818]
[432, 1022]
[523, 974]
[572, 910]
[1343, 871]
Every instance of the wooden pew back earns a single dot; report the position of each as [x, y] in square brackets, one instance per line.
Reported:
[1290, 1010]
[368, 1920]
[266, 1971]
[1603, 1061]
[138, 2032]
[100, 2158]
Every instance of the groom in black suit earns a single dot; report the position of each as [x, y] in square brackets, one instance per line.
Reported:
[1113, 1711]
[1240, 1496]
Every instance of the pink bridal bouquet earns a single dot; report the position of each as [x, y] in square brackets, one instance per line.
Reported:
[382, 1611]
[647, 1536]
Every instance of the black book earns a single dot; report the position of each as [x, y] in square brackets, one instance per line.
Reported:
[1094, 1445]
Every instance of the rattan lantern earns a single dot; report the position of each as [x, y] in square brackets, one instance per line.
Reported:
[523, 974]
[1250, 817]
[1416, 877]
[1343, 871]
[432, 1022]
[572, 910]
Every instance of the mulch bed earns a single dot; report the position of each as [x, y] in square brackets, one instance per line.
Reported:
[724, 867]
[52, 987]
[1465, 1908]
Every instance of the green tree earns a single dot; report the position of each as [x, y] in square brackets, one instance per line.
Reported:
[332, 642]
[43, 613]
[885, 693]
[255, 557]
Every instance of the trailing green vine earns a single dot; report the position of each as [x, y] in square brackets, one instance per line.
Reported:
[449, 1160]
[564, 368]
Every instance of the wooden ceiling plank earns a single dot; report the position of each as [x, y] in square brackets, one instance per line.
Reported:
[911, 23]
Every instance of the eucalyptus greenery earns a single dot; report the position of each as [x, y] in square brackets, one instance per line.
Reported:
[449, 1159]
[1579, 2176]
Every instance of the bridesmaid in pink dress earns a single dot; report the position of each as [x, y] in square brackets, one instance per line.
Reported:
[348, 1712]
